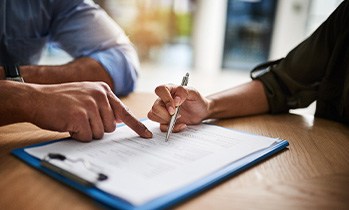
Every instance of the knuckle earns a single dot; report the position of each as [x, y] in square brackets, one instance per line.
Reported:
[90, 104]
[183, 90]
[151, 116]
[81, 135]
[159, 88]
[79, 114]
[158, 102]
[104, 85]
[155, 110]
[180, 88]
[168, 103]
[98, 92]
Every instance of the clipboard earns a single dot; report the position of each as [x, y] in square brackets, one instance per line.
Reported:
[163, 202]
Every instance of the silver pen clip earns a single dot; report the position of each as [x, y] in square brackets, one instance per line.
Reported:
[185, 81]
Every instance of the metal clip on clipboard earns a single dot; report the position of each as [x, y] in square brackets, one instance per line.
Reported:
[71, 168]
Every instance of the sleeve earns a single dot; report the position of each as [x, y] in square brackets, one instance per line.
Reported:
[83, 29]
[294, 81]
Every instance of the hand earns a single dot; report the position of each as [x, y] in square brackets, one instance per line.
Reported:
[194, 107]
[85, 109]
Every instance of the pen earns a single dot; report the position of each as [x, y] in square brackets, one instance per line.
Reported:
[174, 116]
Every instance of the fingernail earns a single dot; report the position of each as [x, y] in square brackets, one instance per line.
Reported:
[171, 110]
[177, 100]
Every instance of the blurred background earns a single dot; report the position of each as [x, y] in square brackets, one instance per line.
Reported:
[217, 41]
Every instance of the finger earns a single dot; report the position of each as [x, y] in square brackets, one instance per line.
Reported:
[96, 124]
[156, 118]
[127, 117]
[118, 121]
[107, 115]
[82, 130]
[164, 93]
[164, 127]
[180, 95]
[159, 112]
[160, 119]
[94, 118]
[177, 128]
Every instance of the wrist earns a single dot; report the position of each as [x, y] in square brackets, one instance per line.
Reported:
[16, 100]
[219, 107]
[211, 103]
[33, 74]
[29, 95]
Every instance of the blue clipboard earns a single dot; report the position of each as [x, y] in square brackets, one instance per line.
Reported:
[164, 201]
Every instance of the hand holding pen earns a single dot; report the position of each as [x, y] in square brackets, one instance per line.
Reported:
[185, 81]
[194, 107]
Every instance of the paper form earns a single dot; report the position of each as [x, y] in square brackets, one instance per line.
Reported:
[140, 170]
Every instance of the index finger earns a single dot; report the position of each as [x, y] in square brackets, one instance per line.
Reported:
[172, 96]
[127, 117]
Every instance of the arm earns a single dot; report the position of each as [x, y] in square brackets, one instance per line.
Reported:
[314, 70]
[84, 30]
[247, 99]
[85, 109]
[82, 69]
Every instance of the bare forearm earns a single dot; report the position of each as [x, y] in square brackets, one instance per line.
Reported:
[85, 109]
[14, 97]
[247, 99]
[82, 69]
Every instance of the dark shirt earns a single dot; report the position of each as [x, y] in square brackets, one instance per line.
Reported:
[317, 69]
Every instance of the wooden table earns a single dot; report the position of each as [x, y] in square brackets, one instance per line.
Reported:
[312, 174]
